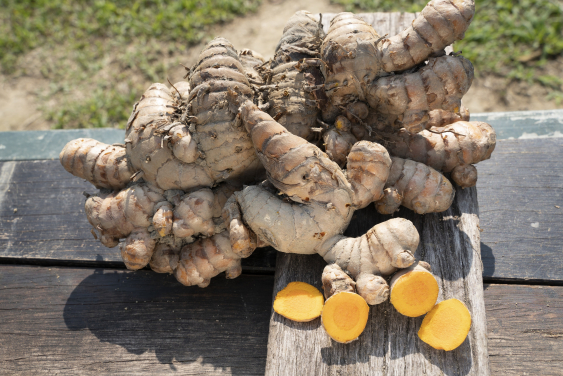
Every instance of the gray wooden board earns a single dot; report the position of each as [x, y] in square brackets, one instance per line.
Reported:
[33, 145]
[525, 329]
[389, 345]
[521, 206]
[27, 145]
[76, 321]
[524, 124]
[42, 219]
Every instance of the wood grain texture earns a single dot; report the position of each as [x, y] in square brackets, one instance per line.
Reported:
[42, 219]
[82, 321]
[390, 345]
[525, 325]
[521, 200]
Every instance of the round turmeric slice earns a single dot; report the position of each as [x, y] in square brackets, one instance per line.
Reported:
[299, 301]
[345, 316]
[446, 325]
[414, 290]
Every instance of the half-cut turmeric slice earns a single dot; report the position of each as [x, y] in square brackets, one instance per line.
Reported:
[345, 316]
[299, 301]
[414, 290]
[446, 325]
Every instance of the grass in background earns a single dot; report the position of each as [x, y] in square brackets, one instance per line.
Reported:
[85, 47]
[512, 39]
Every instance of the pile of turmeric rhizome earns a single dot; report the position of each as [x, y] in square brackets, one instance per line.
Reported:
[250, 153]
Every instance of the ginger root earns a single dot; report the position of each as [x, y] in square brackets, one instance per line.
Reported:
[446, 325]
[453, 148]
[414, 290]
[188, 148]
[299, 301]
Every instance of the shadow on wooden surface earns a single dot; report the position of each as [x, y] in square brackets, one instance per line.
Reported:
[104, 321]
[71, 321]
[218, 325]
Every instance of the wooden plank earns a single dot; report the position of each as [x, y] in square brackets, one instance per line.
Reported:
[521, 200]
[75, 321]
[30, 145]
[389, 345]
[524, 124]
[35, 145]
[42, 219]
[525, 329]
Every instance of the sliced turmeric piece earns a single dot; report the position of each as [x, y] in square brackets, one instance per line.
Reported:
[299, 301]
[345, 316]
[414, 290]
[446, 325]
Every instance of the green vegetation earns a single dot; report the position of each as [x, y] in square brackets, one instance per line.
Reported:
[512, 39]
[87, 48]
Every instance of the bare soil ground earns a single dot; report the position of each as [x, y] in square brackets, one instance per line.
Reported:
[22, 106]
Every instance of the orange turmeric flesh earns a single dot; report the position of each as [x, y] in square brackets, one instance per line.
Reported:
[446, 325]
[345, 316]
[299, 301]
[414, 293]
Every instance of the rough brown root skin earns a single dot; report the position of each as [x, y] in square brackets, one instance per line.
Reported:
[441, 118]
[414, 290]
[390, 202]
[251, 60]
[421, 188]
[148, 148]
[440, 23]
[338, 144]
[335, 280]
[116, 214]
[406, 99]
[357, 110]
[295, 85]
[137, 249]
[367, 171]
[184, 146]
[194, 214]
[181, 90]
[384, 248]
[105, 166]
[204, 259]
[164, 259]
[163, 218]
[373, 288]
[301, 171]
[243, 240]
[459, 144]
[465, 176]
[346, 73]
[289, 158]
[228, 150]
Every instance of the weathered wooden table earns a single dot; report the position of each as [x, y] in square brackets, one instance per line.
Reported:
[69, 306]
